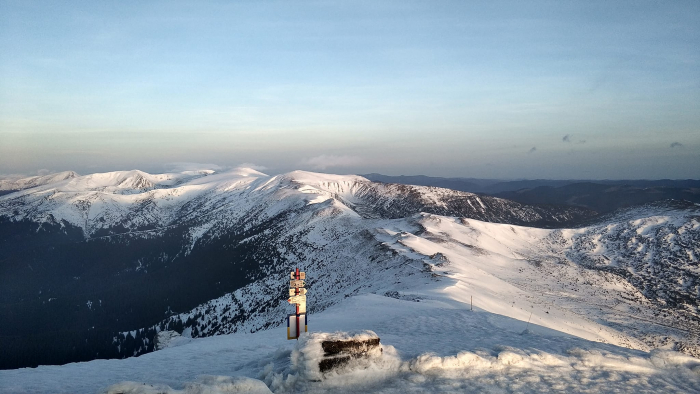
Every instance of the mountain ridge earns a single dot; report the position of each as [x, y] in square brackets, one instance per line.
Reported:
[602, 196]
[210, 252]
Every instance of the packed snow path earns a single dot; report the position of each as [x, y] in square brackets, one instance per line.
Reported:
[433, 345]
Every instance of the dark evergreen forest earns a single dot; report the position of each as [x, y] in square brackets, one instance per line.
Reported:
[65, 298]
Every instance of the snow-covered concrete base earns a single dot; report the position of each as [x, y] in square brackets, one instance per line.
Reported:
[435, 345]
[319, 354]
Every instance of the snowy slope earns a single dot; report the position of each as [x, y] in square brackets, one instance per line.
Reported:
[34, 181]
[121, 250]
[406, 262]
[435, 345]
[529, 274]
[630, 280]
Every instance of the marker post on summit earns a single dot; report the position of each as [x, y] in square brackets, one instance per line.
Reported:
[297, 295]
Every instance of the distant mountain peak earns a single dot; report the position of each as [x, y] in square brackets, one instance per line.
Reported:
[136, 199]
[37, 180]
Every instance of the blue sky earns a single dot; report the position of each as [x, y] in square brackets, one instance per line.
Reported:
[447, 88]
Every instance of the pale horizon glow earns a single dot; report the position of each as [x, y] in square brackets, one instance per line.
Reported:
[506, 89]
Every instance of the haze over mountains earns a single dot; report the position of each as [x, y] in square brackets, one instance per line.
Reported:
[97, 265]
[602, 196]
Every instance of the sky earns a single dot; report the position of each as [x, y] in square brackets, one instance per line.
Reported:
[492, 89]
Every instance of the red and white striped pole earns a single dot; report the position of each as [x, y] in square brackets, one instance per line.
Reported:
[296, 292]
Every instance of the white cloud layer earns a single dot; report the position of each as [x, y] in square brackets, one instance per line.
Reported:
[181, 166]
[325, 161]
[254, 166]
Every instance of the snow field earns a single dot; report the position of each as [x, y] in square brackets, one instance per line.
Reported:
[434, 345]
[421, 344]
[203, 385]
[589, 330]
[513, 271]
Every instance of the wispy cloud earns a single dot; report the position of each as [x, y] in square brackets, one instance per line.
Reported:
[181, 166]
[325, 161]
[254, 166]
[532, 150]
[43, 171]
[676, 144]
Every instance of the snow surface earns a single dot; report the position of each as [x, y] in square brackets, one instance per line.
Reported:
[17, 183]
[435, 345]
[135, 199]
[529, 274]
[549, 314]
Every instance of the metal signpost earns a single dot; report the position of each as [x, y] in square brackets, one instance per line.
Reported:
[297, 295]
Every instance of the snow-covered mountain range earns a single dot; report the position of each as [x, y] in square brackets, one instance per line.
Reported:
[20, 183]
[632, 280]
[135, 200]
[207, 253]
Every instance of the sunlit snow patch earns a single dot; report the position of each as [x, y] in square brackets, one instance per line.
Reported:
[166, 339]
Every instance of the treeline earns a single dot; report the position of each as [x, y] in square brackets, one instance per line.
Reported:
[66, 299]
[57, 348]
